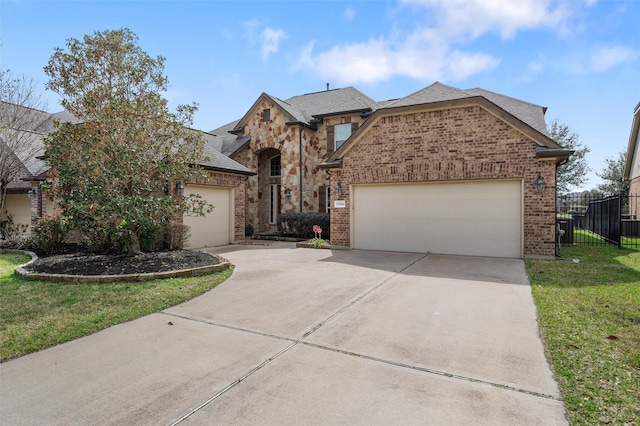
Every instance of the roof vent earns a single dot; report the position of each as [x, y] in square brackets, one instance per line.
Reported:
[327, 87]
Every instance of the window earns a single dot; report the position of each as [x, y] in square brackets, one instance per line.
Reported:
[342, 133]
[324, 199]
[274, 166]
[266, 115]
[274, 203]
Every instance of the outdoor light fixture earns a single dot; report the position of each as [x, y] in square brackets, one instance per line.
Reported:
[338, 189]
[31, 193]
[287, 193]
[179, 188]
[539, 184]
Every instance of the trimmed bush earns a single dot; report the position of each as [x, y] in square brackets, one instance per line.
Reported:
[300, 225]
[48, 234]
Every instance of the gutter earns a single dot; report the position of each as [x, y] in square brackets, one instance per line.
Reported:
[335, 164]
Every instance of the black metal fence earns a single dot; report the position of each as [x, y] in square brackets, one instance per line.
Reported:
[592, 219]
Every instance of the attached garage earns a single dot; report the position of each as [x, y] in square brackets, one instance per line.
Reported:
[477, 218]
[216, 228]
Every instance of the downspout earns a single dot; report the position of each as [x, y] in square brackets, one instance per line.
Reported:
[300, 138]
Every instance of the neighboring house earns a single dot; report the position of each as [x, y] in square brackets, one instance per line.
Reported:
[442, 170]
[224, 185]
[22, 132]
[632, 164]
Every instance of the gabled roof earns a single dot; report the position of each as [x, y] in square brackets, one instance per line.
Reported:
[36, 124]
[304, 108]
[434, 93]
[254, 108]
[546, 146]
[216, 160]
[634, 139]
[330, 102]
[529, 113]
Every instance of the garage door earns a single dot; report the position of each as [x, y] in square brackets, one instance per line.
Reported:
[215, 228]
[468, 218]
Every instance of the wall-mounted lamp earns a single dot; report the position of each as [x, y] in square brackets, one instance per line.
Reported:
[179, 189]
[287, 193]
[31, 193]
[539, 184]
[338, 189]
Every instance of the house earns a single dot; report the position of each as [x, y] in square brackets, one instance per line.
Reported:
[441, 170]
[22, 149]
[22, 132]
[632, 164]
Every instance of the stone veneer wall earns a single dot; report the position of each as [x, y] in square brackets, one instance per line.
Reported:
[276, 134]
[464, 143]
[237, 182]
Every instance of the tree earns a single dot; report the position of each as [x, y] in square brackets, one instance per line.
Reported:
[612, 176]
[20, 115]
[114, 173]
[572, 174]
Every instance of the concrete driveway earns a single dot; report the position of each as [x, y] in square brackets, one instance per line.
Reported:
[302, 336]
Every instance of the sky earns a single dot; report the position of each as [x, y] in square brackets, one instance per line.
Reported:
[579, 58]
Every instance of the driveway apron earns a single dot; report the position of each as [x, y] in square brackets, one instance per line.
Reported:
[302, 336]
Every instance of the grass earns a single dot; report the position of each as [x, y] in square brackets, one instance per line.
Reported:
[35, 315]
[589, 315]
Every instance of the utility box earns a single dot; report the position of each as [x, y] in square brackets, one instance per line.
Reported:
[566, 225]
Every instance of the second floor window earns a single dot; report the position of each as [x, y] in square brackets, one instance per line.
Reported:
[342, 133]
[266, 115]
[274, 166]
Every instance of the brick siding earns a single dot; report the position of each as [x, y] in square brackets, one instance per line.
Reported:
[457, 144]
[236, 182]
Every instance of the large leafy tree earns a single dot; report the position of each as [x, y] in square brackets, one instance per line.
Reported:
[115, 172]
[20, 118]
[572, 174]
[612, 175]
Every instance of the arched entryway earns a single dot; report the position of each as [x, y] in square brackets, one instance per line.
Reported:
[269, 189]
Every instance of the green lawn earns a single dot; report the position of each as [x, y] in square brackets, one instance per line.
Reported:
[35, 315]
[589, 314]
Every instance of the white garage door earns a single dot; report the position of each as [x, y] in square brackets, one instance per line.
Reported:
[215, 228]
[468, 218]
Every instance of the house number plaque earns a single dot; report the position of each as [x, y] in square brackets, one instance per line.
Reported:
[339, 204]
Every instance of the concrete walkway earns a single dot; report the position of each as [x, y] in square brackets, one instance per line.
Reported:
[302, 336]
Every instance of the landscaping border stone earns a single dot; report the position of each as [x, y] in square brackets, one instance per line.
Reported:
[82, 279]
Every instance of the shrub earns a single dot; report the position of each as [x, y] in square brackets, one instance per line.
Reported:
[10, 231]
[48, 234]
[300, 225]
[149, 237]
[177, 235]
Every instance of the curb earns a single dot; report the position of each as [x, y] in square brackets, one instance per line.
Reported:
[83, 279]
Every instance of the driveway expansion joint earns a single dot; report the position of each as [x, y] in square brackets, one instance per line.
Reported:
[433, 371]
[293, 342]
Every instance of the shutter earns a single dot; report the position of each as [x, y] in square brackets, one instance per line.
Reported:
[331, 142]
[322, 199]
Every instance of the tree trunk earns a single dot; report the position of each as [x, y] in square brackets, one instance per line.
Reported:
[133, 245]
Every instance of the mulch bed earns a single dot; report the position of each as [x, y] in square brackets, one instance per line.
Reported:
[98, 264]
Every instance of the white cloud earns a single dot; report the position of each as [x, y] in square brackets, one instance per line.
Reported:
[437, 48]
[349, 14]
[472, 18]
[605, 58]
[461, 65]
[422, 56]
[270, 39]
[534, 68]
